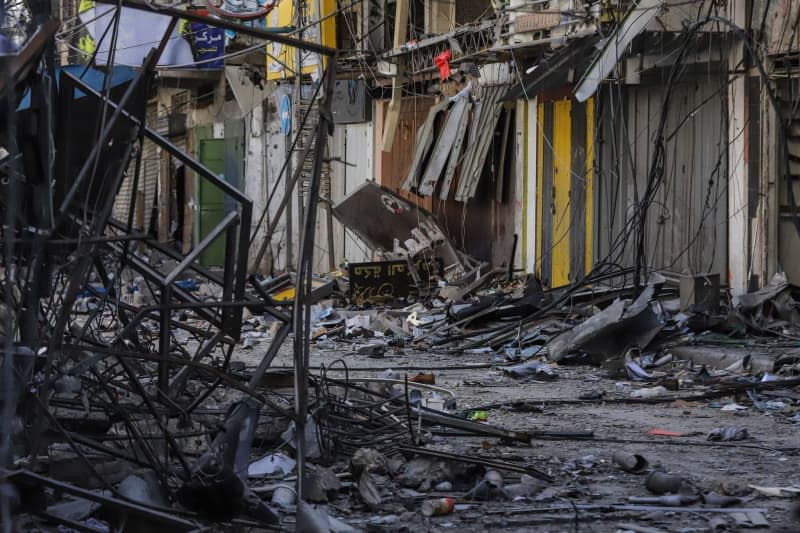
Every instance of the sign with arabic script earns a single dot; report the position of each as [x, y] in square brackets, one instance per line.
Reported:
[381, 279]
[208, 44]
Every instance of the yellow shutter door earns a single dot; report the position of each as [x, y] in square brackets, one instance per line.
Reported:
[565, 135]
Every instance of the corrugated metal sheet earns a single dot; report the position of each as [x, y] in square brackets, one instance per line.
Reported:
[122, 201]
[438, 149]
[393, 167]
[455, 155]
[178, 205]
[149, 172]
[476, 152]
[484, 228]
[423, 142]
[788, 256]
[444, 149]
[687, 221]
[151, 162]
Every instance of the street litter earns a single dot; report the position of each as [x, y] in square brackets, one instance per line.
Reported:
[629, 462]
[776, 492]
[659, 482]
[733, 407]
[728, 434]
[439, 507]
[652, 392]
[274, 464]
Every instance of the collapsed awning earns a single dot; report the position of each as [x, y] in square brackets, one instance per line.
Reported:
[636, 20]
[563, 67]
[456, 154]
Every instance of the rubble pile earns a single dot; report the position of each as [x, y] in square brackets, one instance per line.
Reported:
[143, 390]
[392, 449]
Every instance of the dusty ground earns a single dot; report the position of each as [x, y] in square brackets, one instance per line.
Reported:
[583, 470]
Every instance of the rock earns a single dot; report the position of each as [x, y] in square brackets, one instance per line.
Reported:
[728, 434]
[444, 486]
[651, 392]
[368, 490]
[368, 460]
[373, 349]
[321, 485]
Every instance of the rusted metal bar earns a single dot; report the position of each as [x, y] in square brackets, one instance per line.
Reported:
[302, 300]
[498, 465]
[230, 219]
[26, 476]
[167, 145]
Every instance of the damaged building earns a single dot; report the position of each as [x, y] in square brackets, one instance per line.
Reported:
[395, 265]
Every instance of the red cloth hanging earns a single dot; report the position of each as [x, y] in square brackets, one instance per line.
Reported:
[443, 62]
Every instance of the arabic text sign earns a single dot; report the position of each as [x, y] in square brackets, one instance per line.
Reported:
[386, 278]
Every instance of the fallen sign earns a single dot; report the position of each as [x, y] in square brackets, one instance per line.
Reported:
[388, 223]
[396, 279]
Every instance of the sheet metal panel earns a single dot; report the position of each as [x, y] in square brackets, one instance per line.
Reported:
[562, 182]
[152, 162]
[635, 21]
[788, 241]
[686, 227]
[780, 24]
[149, 172]
[455, 155]
[472, 168]
[577, 193]
[354, 144]
[589, 186]
[391, 168]
[380, 218]
[564, 172]
[443, 149]
[544, 194]
[424, 140]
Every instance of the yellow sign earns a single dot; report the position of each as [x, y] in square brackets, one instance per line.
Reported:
[281, 59]
[286, 295]
[85, 42]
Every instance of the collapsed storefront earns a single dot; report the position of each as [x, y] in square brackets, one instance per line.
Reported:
[528, 225]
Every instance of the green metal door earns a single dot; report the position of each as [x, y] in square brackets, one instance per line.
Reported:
[211, 200]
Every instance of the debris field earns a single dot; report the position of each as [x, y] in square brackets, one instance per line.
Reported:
[144, 390]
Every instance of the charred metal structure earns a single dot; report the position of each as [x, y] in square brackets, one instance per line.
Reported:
[66, 264]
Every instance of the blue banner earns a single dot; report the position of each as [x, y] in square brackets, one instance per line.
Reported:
[207, 43]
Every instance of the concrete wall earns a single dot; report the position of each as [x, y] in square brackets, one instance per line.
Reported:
[276, 144]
